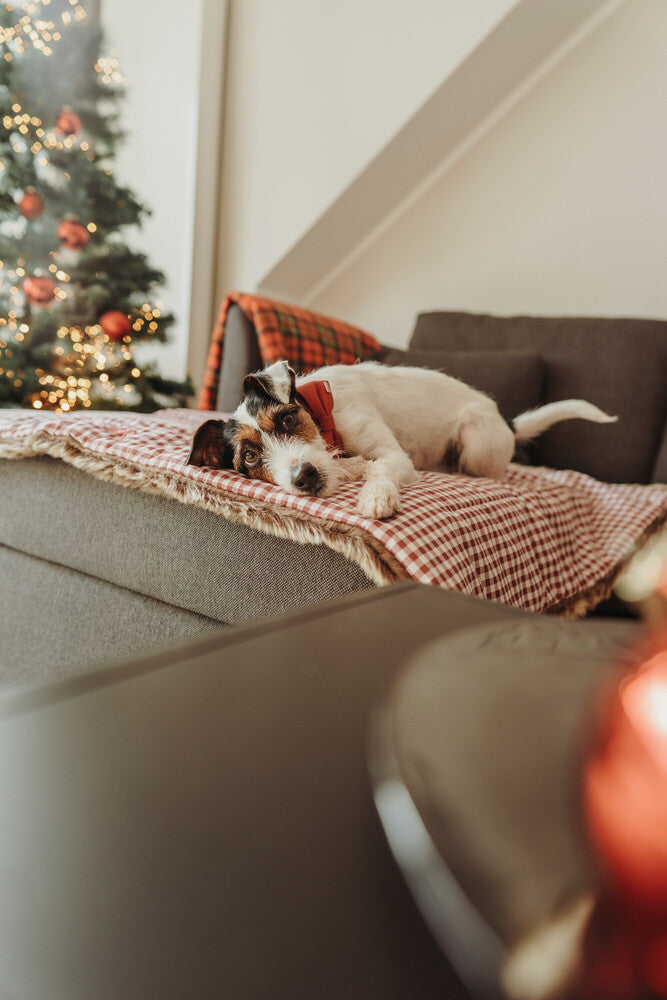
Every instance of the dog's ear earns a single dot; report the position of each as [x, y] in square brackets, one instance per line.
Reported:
[276, 383]
[211, 446]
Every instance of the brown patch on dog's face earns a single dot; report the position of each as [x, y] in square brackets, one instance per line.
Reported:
[307, 428]
[287, 421]
[266, 420]
[278, 420]
[247, 452]
[269, 437]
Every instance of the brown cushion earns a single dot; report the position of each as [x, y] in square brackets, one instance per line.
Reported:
[618, 364]
[515, 379]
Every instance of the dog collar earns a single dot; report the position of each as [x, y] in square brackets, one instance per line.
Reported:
[317, 398]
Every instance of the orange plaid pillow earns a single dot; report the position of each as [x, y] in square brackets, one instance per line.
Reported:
[304, 338]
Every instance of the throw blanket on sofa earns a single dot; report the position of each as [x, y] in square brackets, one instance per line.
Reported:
[543, 540]
[304, 338]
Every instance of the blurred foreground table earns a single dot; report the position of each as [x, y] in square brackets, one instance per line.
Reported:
[476, 755]
[199, 824]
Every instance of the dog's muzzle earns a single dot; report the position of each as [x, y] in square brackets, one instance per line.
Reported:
[307, 479]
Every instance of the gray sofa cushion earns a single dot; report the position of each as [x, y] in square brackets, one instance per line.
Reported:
[515, 379]
[618, 364]
[176, 553]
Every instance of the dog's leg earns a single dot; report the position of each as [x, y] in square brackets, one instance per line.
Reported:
[390, 469]
[486, 444]
[351, 468]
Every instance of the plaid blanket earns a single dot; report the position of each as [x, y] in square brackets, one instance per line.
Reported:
[543, 540]
[305, 339]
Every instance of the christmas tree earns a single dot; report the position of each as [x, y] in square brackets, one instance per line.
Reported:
[74, 296]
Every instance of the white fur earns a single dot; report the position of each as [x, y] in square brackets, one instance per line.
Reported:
[533, 422]
[280, 375]
[283, 457]
[401, 420]
[244, 416]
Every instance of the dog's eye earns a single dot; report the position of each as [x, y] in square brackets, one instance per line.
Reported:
[250, 457]
[287, 421]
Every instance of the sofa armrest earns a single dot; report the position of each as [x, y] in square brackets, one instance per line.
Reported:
[240, 358]
[660, 467]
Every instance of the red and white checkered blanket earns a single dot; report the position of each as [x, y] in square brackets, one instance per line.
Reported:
[543, 540]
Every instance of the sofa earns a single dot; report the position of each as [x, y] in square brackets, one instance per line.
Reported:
[92, 572]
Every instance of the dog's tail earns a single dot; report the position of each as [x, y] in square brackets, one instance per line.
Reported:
[534, 422]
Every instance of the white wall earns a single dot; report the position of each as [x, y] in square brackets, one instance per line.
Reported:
[158, 46]
[560, 208]
[557, 208]
[314, 90]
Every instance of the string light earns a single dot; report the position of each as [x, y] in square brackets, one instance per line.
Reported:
[31, 128]
[109, 71]
[62, 393]
[89, 366]
[22, 121]
[32, 29]
[145, 319]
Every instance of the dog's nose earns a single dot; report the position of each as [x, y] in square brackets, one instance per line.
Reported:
[307, 478]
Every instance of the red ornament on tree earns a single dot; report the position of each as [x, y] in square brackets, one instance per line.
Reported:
[72, 234]
[115, 324]
[39, 290]
[31, 204]
[67, 122]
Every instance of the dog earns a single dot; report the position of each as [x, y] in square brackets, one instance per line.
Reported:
[345, 422]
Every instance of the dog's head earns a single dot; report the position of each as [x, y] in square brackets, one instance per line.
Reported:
[270, 436]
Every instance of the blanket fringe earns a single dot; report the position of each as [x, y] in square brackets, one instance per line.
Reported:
[351, 541]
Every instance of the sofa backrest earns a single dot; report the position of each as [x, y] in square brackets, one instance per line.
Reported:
[618, 364]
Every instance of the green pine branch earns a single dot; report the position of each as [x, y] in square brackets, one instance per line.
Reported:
[74, 181]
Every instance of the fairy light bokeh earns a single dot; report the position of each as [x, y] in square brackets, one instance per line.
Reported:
[87, 364]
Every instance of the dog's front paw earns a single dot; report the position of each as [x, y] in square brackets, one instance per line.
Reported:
[378, 499]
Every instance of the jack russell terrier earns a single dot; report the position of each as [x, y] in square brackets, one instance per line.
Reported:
[345, 422]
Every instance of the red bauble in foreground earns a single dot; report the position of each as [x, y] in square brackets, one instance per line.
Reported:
[68, 123]
[115, 324]
[31, 204]
[625, 795]
[72, 234]
[626, 783]
[39, 290]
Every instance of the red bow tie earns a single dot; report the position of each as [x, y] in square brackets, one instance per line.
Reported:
[317, 398]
